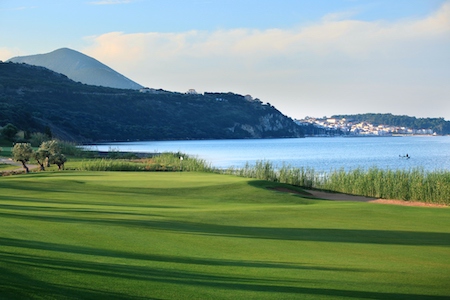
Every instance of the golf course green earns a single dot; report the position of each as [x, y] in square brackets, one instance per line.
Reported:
[188, 235]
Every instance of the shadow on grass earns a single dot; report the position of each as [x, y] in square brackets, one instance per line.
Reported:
[15, 285]
[102, 205]
[12, 282]
[382, 237]
[53, 247]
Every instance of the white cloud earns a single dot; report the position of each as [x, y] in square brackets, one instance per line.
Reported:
[337, 64]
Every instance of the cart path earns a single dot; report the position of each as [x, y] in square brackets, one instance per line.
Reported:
[9, 161]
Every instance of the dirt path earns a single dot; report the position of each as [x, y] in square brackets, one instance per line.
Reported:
[9, 161]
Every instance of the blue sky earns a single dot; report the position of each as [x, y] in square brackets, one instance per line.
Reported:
[307, 58]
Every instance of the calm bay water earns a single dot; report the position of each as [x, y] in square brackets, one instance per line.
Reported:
[322, 154]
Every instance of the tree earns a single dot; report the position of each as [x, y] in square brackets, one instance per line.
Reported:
[51, 148]
[50, 151]
[40, 156]
[9, 131]
[22, 152]
[58, 159]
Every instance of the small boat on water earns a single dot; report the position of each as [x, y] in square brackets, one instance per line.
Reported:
[405, 156]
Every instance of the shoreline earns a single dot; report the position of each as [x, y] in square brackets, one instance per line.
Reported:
[269, 138]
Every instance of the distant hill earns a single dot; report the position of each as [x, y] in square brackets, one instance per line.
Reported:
[79, 67]
[34, 98]
[438, 125]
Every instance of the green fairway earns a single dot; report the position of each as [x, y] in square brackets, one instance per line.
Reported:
[141, 235]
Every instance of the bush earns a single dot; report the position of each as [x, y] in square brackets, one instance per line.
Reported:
[9, 131]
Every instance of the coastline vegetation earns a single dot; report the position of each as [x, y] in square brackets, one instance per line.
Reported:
[174, 162]
[409, 185]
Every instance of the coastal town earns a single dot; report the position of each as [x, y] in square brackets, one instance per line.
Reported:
[330, 126]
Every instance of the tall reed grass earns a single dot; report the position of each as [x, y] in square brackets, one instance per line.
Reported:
[162, 162]
[181, 162]
[414, 184]
[411, 185]
[106, 164]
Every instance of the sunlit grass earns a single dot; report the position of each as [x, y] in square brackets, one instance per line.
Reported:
[188, 235]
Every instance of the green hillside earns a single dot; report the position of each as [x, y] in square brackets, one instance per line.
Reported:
[33, 98]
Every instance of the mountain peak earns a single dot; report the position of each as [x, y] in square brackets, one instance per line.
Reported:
[79, 67]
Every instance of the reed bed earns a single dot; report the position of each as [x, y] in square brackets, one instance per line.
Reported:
[106, 164]
[163, 162]
[181, 162]
[410, 185]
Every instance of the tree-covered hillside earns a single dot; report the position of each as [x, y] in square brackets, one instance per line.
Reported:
[34, 98]
[438, 125]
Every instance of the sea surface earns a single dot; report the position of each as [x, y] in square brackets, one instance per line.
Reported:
[321, 153]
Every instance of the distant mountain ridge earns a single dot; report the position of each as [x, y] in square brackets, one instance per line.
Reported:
[34, 98]
[79, 67]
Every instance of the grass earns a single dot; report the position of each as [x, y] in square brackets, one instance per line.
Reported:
[409, 185]
[6, 151]
[161, 162]
[414, 184]
[7, 167]
[172, 235]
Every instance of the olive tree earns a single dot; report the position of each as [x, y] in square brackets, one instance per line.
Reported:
[58, 159]
[40, 156]
[22, 152]
[51, 152]
[50, 148]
